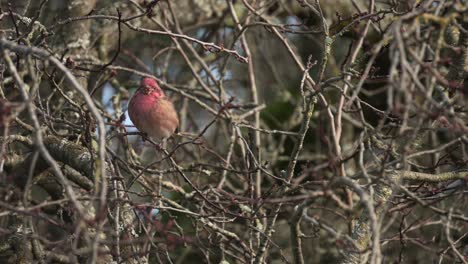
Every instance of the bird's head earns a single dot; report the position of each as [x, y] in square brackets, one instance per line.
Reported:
[149, 86]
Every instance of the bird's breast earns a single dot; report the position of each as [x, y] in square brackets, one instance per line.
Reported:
[153, 116]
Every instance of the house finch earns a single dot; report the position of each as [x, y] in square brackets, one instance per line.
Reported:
[151, 112]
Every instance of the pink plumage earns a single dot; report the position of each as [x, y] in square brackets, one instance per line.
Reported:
[151, 112]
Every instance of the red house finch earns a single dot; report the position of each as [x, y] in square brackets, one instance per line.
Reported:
[151, 112]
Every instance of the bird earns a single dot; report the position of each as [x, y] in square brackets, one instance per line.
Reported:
[152, 112]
